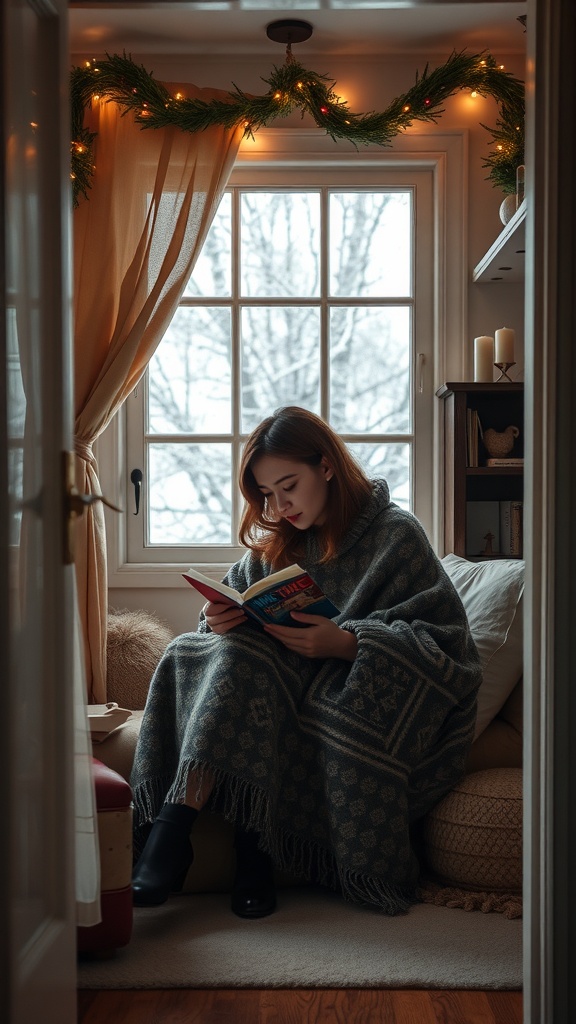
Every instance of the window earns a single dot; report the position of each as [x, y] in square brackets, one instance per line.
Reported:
[317, 295]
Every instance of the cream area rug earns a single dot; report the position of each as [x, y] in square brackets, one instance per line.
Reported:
[314, 940]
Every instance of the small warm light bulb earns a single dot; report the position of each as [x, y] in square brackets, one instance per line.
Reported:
[96, 96]
[427, 102]
[178, 96]
[299, 85]
[87, 64]
[323, 110]
[482, 63]
[33, 124]
[277, 95]
[406, 108]
[501, 67]
[473, 94]
[72, 176]
[500, 147]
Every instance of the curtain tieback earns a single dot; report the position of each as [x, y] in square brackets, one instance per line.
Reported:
[83, 449]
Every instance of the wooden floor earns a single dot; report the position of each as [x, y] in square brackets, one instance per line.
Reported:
[298, 1006]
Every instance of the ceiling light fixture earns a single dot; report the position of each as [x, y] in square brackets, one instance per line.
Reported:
[288, 31]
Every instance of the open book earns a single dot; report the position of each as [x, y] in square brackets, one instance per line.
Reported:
[272, 599]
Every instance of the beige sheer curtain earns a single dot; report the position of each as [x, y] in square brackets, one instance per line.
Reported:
[136, 240]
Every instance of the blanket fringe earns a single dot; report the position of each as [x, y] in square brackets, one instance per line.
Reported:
[508, 904]
[243, 802]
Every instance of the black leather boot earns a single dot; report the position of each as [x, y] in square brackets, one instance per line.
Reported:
[166, 857]
[253, 891]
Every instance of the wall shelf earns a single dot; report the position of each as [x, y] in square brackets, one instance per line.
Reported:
[471, 492]
[505, 259]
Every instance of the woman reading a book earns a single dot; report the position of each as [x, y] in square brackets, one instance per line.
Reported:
[324, 741]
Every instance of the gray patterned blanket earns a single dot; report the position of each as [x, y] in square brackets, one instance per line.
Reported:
[332, 762]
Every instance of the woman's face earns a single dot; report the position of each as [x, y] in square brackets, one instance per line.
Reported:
[294, 490]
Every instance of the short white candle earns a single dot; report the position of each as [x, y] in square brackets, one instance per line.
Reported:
[504, 345]
[483, 358]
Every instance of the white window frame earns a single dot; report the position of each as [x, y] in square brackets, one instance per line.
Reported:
[439, 158]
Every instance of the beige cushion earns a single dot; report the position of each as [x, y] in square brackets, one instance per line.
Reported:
[473, 837]
[500, 744]
[117, 750]
[491, 592]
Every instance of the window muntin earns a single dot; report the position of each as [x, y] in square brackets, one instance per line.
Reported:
[348, 356]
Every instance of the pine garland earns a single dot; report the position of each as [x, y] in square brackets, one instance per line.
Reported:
[293, 87]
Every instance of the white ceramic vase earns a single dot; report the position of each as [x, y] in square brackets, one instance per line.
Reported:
[508, 208]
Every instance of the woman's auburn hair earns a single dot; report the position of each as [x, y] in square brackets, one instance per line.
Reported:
[296, 434]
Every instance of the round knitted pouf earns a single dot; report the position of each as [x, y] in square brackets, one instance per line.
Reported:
[473, 837]
[136, 642]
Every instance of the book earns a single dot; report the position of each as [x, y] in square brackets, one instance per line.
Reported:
[511, 528]
[271, 600]
[473, 433]
[504, 462]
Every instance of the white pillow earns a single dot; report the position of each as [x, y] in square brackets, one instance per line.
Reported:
[491, 593]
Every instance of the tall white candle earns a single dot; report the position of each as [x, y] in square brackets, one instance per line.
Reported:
[483, 358]
[504, 345]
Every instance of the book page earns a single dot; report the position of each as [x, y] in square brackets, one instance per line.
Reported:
[290, 572]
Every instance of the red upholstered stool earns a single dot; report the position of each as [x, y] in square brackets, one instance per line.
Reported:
[114, 806]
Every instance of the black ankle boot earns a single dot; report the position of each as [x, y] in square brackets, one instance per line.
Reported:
[253, 891]
[166, 857]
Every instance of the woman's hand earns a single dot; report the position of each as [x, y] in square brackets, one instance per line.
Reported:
[222, 617]
[321, 639]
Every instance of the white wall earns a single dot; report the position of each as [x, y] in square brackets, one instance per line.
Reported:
[367, 85]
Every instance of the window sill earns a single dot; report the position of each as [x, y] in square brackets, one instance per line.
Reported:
[163, 576]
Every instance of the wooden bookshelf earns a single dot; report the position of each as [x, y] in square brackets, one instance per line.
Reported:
[498, 406]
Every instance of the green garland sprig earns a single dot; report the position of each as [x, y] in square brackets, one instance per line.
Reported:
[293, 87]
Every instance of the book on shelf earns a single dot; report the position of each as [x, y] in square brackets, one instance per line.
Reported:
[504, 462]
[473, 433]
[272, 599]
[511, 528]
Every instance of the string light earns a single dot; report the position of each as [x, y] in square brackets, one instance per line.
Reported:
[406, 108]
[474, 94]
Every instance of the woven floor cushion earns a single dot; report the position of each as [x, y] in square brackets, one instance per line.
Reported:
[473, 837]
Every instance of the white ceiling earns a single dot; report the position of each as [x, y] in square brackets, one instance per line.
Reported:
[340, 26]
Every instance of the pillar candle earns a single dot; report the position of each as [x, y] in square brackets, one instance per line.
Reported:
[483, 358]
[504, 345]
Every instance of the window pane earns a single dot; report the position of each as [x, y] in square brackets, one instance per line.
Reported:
[391, 461]
[190, 493]
[370, 243]
[370, 369]
[212, 274]
[280, 360]
[189, 377]
[280, 244]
